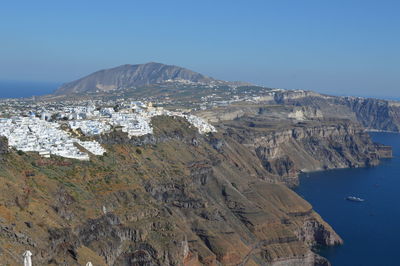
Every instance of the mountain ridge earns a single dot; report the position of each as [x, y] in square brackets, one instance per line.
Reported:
[131, 76]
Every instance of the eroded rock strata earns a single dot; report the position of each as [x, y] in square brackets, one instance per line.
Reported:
[310, 146]
[177, 198]
[374, 114]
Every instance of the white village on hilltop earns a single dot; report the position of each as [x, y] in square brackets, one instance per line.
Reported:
[40, 133]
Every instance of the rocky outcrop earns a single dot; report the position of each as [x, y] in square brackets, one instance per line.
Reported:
[314, 232]
[62, 203]
[384, 151]
[3, 145]
[305, 113]
[309, 259]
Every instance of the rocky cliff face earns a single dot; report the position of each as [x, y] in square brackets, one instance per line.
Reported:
[177, 198]
[374, 113]
[3, 145]
[371, 113]
[310, 147]
[384, 151]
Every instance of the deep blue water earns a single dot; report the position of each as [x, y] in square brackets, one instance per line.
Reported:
[370, 229]
[17, 89]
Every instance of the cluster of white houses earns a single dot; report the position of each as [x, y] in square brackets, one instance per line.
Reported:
[137, 123]
[48, 138]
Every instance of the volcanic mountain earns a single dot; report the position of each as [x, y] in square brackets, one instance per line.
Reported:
[131, 76]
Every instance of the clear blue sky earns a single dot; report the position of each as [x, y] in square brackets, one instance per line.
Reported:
[334, 46]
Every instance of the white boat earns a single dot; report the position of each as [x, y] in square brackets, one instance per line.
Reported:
[352, 198]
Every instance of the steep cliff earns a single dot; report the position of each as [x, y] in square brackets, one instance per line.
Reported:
[309, 146]
[176, 198]
[374, 114]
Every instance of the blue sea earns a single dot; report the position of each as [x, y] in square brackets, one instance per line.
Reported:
[370, 229]
[17, 89]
